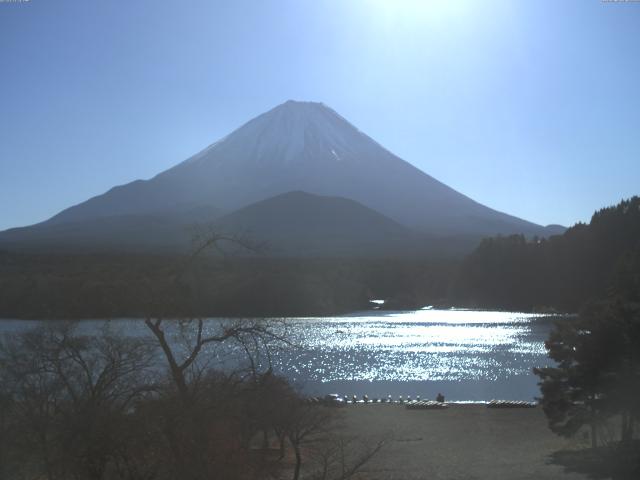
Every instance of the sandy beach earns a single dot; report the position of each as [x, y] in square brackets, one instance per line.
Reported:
[464, 442]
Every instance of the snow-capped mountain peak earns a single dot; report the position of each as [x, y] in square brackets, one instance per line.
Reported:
[303, 146]
[292, 132]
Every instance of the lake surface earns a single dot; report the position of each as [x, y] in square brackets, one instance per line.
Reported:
[466, 355]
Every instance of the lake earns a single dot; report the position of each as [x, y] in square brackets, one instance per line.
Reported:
[467, 355]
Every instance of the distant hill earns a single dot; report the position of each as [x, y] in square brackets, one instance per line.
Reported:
[299, 223]
[297, 146]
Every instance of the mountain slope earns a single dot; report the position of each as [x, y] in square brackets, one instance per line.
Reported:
[307, 147]
[299, 223]
[291, 224]
[158, 231]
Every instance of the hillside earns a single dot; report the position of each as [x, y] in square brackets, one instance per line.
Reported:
[296, 146]
[298, 223]
[562, 272]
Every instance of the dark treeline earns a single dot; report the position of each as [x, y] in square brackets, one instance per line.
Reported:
[107, 286]
[560, 273]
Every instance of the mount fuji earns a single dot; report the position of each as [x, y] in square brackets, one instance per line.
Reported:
[295, 147]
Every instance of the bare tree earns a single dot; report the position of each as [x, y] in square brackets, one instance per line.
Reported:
[72, 390]
[245, 332]
[318, 440]
[341, 457]
[306, 421]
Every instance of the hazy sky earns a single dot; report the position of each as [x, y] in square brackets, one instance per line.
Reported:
[530, 107]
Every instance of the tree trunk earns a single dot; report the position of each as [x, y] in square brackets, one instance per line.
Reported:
[626, 429]
[281, 439]
[296, 472]
[594, 435]
[176, 372]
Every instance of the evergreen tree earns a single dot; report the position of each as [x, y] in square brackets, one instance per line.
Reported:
[597, 375]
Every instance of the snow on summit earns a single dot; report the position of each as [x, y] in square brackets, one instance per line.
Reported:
[291, 132]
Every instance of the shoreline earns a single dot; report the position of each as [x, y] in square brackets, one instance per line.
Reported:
[339, 313]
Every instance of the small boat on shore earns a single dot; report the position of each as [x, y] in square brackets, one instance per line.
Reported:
[426, 405]
[510, 404]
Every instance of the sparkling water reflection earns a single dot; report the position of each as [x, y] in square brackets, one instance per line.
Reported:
[426, 345]
[470, 355]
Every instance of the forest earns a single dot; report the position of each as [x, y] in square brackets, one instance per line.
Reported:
[556, 274]
[560, 273]
[107, 286]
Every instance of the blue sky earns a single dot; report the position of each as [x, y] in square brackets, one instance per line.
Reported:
[530, 107]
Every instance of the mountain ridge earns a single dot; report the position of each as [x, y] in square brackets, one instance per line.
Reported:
[291, 224]
[302, 146]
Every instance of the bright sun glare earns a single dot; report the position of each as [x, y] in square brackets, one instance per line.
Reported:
[408, 12]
